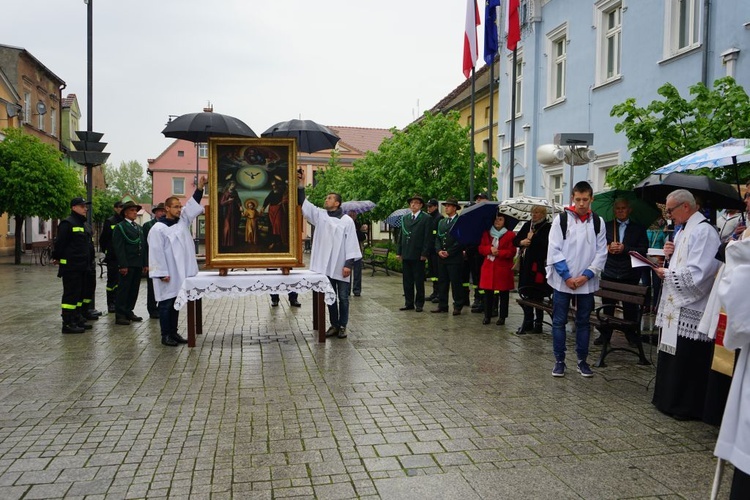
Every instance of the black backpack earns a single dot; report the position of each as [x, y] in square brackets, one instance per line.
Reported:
[564, 224]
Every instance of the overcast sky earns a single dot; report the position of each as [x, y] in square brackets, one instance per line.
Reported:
[338, 62]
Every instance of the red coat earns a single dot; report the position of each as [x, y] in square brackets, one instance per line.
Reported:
[497, 274]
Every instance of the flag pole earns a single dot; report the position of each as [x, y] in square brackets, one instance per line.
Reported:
[473, 121]
[489, 141]
[512, 124]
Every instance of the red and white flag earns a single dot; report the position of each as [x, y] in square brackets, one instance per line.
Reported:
[471, 48]
[513, 23]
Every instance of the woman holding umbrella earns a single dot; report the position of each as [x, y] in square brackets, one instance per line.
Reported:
[496, 276]
[532, 240]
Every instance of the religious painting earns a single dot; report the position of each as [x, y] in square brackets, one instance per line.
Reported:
[253, 214]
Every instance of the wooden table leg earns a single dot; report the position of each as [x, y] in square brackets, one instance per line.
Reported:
[319, 315]
[191, 323]
[199, 317]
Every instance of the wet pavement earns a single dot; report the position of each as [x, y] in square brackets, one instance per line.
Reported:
[411, 405]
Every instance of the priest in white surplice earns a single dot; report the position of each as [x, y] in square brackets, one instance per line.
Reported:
[684, 353]
[335, 248]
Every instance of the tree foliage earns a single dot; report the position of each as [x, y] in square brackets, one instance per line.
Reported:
[129, 178]
[674, 126]
[35, 181]
[430, 158]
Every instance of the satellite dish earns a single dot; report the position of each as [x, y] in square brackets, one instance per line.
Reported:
[11, 109]
[41, 108]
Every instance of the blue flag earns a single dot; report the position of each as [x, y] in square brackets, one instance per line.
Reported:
[490, 30]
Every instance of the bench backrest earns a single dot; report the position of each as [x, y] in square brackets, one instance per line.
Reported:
[380, 252]
[631, 294]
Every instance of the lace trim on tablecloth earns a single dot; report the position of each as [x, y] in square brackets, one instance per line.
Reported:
[215, 290]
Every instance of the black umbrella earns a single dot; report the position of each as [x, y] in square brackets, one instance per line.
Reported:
[311, 136]
[714, 194]
[198, 127]
[477, 219]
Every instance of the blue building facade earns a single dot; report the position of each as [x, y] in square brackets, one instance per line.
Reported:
[578, 58]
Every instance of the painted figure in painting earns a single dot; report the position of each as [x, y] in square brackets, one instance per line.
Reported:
[277, 202]
[251, 214]
[230, 210]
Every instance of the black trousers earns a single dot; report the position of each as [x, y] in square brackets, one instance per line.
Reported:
[89, 289]
[113, 280]
[413, 279]
[629, 311]
[127, 291]
[72, 296]
[151, 305]
[450, 275]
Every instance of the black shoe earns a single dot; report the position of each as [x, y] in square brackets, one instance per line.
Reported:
[119, 320]
[111, 308]
[274, 303]
[521, 331]
[500, 321]
[89, 317]
[457, 311]
[71, 328]
[178, 338]
[599, 340]
[477, 309]
[436, 300]
[342, 333]
[85, 325]
[418, 309]
[168, 341]
[295, 304]
[357, 294]
[485, 320]
[133, 317]
[332, 330]
[537, 327]
[406, 308]
[439, 310]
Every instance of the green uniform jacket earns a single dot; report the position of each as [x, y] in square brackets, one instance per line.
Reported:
[128, 244]
[414, 242]
[445, 241]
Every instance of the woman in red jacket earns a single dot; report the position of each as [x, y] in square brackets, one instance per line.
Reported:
[496, 277]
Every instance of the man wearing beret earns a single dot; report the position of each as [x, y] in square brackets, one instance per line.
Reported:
[132, 260]
[152, 306]
[451, 261]
[412, 250]
[73, 252]
[105, 246]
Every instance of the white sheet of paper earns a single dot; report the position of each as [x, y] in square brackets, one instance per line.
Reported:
[655, 251]
[637, 263]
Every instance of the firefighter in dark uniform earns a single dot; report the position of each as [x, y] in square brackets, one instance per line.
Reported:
[105, 246]
[129, 249]
[73, 253]
[451, 261]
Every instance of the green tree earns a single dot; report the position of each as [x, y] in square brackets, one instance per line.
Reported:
[674, 126]
[430, 158]
[35, 181]
[129, 178]
[332, 179]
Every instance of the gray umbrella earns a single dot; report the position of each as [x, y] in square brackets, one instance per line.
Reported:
[198, 127]
[311, 136]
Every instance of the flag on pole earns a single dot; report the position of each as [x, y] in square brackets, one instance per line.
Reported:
[471, 50]
[490, 30]
[513, 24]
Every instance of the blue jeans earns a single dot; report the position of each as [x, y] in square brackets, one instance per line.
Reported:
[168, 317]
[560, 308]
[339, 310]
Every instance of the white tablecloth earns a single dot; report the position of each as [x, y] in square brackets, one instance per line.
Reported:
[237, 284]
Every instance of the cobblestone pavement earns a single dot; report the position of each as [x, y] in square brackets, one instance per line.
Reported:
[411, 405]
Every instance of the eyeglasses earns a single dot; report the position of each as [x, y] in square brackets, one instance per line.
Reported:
[671, 209]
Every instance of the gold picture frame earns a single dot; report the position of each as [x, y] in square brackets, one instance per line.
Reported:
[253, 220]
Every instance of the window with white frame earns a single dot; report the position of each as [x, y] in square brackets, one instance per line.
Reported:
[609, 42]
[178, 186]
[682, 21]
[53, 122]
[203, 150]
[518, 187]
[518, 83]
[40, 121]
[27, 107]
[599, 169]
[553, 181]
[557, 42]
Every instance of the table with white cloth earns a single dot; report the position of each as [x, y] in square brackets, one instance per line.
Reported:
[211, 285]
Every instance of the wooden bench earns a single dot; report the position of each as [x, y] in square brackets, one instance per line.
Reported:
[378, 259]
[604, 315]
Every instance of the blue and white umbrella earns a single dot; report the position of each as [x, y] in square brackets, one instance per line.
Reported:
[724, 154]
[357, 206]
[396, 217]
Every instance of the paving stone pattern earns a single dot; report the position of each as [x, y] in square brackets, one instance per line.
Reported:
[411, 405]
